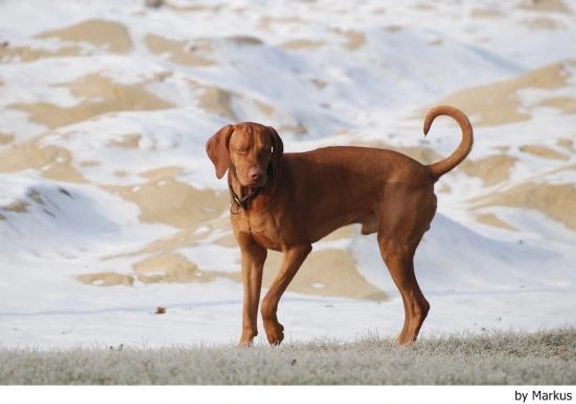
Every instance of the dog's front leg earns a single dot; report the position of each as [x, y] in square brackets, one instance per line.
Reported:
[293, 259]
[253, 257]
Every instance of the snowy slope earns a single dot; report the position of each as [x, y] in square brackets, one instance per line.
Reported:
[109, 207]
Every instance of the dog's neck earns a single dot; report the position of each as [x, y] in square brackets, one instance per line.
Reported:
[241, 200]
[240, 196]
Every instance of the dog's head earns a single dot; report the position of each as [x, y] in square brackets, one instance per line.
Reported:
[251, 150]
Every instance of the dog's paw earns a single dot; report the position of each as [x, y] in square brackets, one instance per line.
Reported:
[245, 343]
[274, 333]
[247, 338]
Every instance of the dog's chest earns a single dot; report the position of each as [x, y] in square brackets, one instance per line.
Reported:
[263, 229]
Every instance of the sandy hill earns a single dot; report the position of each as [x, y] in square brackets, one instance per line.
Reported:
[105, 108]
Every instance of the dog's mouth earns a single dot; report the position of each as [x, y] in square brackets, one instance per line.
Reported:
[258, 183]
[252, 183]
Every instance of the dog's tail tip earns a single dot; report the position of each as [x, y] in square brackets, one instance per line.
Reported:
[426, 128]
[434, 113]
[463, 149]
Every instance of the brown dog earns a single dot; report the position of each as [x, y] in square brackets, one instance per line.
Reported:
[286, 202]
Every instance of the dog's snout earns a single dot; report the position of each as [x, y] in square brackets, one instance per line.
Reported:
[255, 173]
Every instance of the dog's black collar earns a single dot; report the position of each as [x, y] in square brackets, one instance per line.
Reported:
[244, 202]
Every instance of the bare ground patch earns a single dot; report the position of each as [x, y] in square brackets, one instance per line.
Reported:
[99, 95]
[330, 272]
[106, 279]
[6, 139]
[498, 103]
[544, 152]
[326, 272]
[555, 201]
[490, 219]
[170, 267]
[110, 35]
[180, 52]
[172, 202]
[10, 53]
[491, 170]
[51, 161]
[557, 6]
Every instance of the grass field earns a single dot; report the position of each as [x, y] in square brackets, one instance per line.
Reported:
[542, 358]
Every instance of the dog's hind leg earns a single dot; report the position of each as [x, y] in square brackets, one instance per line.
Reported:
[400, 233]
[399, 259]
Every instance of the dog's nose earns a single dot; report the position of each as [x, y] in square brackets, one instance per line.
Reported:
[255, 174]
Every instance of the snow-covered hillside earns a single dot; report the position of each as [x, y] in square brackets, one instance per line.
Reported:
[109, 207]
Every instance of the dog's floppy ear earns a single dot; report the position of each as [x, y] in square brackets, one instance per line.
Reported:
[278, 148]
[217, 149]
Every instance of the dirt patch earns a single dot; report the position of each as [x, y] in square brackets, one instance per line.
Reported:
[126, 141]
[491, 170]
[544, 152]
[215, 100]
[330, 272]
[245, 40]
[565, 104]
[264, 107]
[297, 129]
[544, 24]
[219, 101]
[545, 5]
[180, 52]
[52, 162]
[484, 13]
[326, 273]
[21, 206]
[419, 6]
[568, 144]
[298, 44]
[100, 95]
[227, 240]
[106, 279]
[108, 34]
[194, 8]
[267, 22]
[184, 238]
[490, 219]
[354, 39]
[498, 103]
[165, 267]
[6, 139]
[159, 174]
[29, 54]
[168, 201]
[16, 207]
[394, 28]
[171, 267]
[555, 201]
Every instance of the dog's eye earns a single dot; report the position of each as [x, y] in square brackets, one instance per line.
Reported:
[240, 150]
[266, 152]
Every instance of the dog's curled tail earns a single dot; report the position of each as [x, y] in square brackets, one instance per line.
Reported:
[442, 167]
